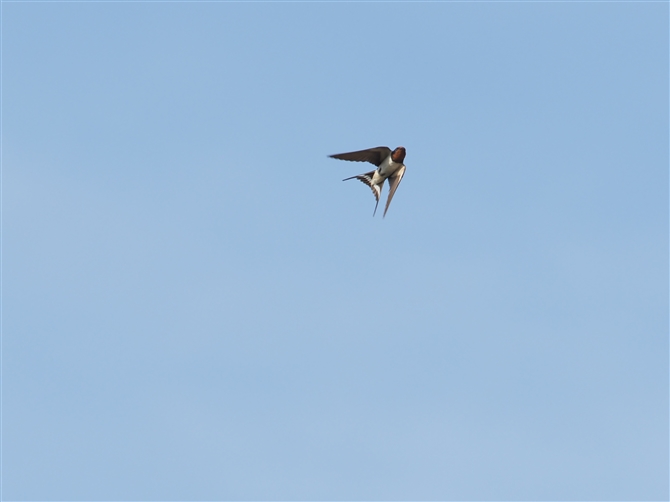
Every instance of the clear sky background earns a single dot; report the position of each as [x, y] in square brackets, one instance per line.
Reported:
[195, 306]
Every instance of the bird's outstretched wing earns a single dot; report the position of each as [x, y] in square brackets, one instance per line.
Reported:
[372, 155]
[394, 180]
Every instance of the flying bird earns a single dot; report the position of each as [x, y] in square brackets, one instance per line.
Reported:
[389, 167]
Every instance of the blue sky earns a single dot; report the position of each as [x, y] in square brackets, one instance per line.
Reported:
[196, 307]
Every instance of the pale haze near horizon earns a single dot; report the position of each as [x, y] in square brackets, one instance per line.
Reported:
[195, 306]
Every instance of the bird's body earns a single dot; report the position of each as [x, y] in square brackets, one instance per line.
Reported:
[389, 167]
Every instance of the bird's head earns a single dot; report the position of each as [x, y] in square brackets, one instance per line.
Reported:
[398, 155]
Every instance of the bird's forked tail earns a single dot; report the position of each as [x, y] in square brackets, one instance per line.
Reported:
[367, 179]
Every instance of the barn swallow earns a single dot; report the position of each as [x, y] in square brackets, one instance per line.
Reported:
[389, 166]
